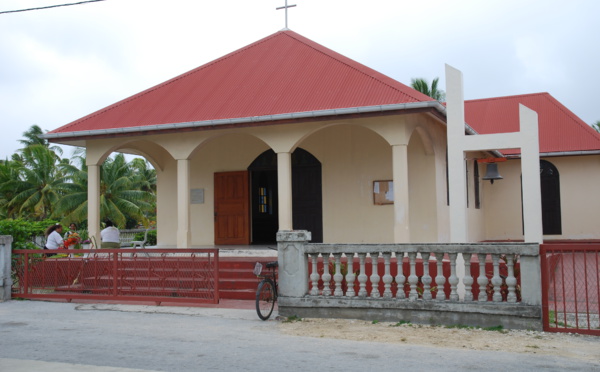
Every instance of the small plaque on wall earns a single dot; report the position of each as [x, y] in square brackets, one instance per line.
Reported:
[383, 192]
[197, 196]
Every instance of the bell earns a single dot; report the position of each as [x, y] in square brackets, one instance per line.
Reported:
[491, 172]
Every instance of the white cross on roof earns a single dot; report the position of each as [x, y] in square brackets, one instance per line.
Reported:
[286, 6]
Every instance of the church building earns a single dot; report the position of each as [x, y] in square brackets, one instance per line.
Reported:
[286, 134]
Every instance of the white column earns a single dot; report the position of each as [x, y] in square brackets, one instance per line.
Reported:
[455, 109]
[94, 203]
[284, 184]
[183, 204]
[530, 169]
[401, 198]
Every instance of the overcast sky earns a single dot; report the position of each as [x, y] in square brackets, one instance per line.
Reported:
[60, 64]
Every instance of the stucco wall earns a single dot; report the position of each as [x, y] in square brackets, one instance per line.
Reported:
[231, 152]
[352, 157]
[580, 208]
[580, 203]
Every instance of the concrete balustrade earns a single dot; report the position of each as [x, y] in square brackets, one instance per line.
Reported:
[394, 282]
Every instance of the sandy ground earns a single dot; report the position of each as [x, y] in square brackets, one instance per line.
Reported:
[529, 342]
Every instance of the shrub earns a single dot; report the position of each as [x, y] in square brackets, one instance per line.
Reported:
[24, 232]
[151, 237]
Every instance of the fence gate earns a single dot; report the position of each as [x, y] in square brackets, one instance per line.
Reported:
[571, 287]
[158, 275]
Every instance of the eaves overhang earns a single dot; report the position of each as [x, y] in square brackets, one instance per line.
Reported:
[559, 153]
[256, 120]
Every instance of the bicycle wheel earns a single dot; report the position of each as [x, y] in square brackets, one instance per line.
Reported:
[265, 299]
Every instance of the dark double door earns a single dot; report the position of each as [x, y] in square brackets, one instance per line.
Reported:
[307, 202]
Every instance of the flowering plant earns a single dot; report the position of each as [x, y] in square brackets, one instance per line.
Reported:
[72, 239]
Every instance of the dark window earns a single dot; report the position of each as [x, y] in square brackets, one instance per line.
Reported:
[476, 184]
[550, 185]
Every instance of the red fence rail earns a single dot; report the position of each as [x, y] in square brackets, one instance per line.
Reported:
[571, 287]
[158, 275]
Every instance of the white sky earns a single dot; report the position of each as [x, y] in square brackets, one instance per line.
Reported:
[60, 64]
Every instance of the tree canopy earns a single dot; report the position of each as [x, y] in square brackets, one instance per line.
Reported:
[37, 184]
[432, 91]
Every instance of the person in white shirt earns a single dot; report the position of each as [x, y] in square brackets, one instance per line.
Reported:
[54, 239]
[110, 236]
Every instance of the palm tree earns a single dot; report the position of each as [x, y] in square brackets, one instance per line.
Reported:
[72, 207]
[121, 194]
[422, 86]
[119, 198]
[9, 171]
[596, 126]
[39, 182]
[32, 136]
[144, 175]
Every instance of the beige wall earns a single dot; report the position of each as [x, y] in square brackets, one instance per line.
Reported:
[422, 192]
[354, 153]
[231, 152]
[352, 157]
[580, 206]
[579, 193]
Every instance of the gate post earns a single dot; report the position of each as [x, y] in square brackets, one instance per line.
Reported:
[531, 278]
[293, 262]
[5, 278]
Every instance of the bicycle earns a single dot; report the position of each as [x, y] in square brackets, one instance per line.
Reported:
[266, 293]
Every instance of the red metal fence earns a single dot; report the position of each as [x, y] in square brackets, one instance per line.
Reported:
[159, 275]
[571, 287]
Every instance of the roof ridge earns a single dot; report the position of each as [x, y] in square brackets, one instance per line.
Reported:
[298, 37]
[505, 97]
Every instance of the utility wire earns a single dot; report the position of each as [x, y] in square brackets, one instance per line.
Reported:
[48, 7]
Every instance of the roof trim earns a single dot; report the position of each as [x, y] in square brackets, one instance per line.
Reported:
[558, 153]
[256, 119]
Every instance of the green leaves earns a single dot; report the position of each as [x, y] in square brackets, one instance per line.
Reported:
[37, 184]
[421, 85]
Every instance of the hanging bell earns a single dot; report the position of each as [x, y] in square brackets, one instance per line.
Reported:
[491, 172]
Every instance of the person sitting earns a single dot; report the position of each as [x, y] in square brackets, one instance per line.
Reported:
[54, 239]
[110, 236]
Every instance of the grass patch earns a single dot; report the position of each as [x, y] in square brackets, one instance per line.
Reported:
[498, 328]
[293, 318]
[400, 323]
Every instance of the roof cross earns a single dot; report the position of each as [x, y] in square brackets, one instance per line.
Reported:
[286, 6]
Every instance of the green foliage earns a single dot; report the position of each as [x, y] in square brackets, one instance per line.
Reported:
[375, 322]
[498, 328]
[400, 323]
[151, 237]
[23, 232]
[293, 318]
[37, 184]
[421, 85]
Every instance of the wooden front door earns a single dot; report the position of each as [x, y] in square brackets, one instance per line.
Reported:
[232, 213]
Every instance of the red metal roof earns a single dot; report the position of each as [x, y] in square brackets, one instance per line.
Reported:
[282, 73]
[559, 129]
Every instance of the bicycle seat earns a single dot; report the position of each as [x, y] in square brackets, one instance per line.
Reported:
[272, 264]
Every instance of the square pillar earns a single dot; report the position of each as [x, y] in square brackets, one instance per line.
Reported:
[293, 262]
